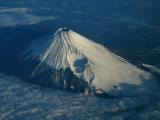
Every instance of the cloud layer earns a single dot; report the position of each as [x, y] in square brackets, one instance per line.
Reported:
[19, 100]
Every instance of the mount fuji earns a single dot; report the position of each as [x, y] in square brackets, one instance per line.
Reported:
[69, 61]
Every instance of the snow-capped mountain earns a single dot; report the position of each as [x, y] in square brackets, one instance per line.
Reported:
[70, 61]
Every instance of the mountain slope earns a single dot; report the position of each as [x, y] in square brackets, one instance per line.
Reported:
[79, 59]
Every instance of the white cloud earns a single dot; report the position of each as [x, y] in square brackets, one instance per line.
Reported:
[152, 68]
[22, 19]
[133, 22]
[157, 49]
[15, 10]
[20, 16]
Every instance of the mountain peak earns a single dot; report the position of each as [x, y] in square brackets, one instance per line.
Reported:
[63, 29]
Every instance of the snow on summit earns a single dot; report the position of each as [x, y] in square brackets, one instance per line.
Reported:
[100, 70]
